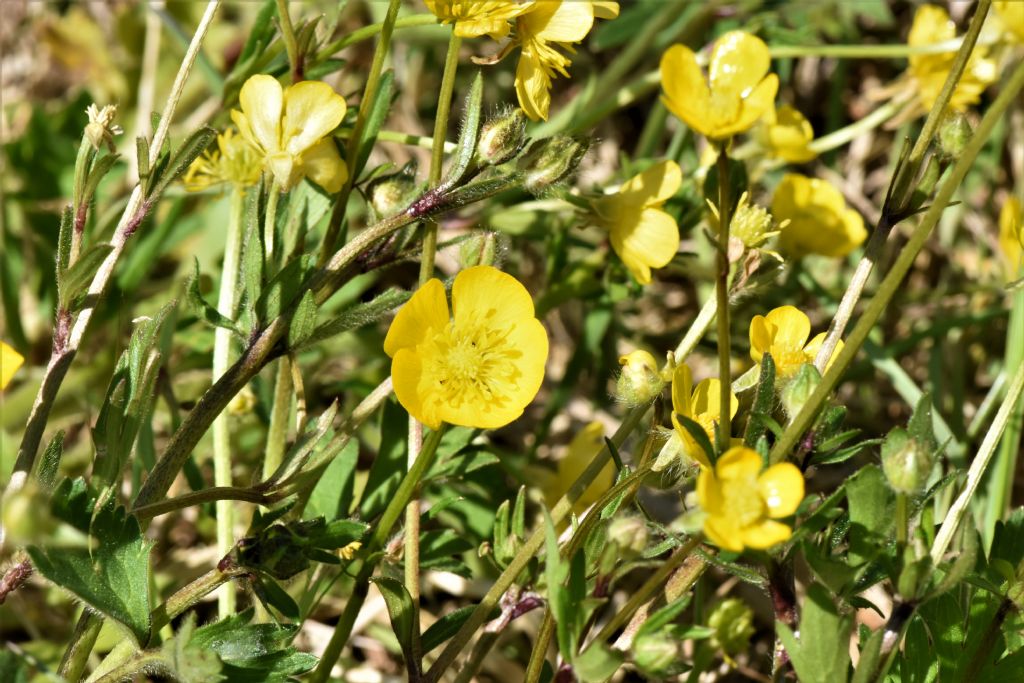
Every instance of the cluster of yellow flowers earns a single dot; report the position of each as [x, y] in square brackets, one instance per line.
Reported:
[542, 29]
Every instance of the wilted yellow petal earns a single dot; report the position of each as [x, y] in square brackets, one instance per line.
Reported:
[324, 166]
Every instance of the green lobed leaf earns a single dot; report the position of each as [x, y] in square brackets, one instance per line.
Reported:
[113, 576]
[188, 662]
[871, 507]
[253, 652]
[821, 655]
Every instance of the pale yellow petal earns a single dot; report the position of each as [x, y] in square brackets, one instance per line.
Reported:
[656, 185]
[427, 310]
[324, 166]
[311, 110]
[649, 240]
[739, 61]
[792, 325]
[533, 87]
[10, 361]
[686, 92]
[765, 534]
[782, 487]
[605, 9]
[261, 99]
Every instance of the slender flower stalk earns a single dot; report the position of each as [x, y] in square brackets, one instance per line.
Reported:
[722, 299]
[222, 460]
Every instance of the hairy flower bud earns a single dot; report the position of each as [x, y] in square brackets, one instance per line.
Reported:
[796, 392]
[640, 380]
[954, 134]
[906, 462]
[551, 161]
[656, 654]
[392, 193]
[479, 249]
[733, 624]
[628, 535]
[502, 137]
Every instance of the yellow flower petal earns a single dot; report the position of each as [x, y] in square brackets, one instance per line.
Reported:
[645, 241]
[605, 9]
[812, 349]
[723, 532]
[10, 361]
[739, 61]
[690, 446]
[761, 336]
[1012, 14]
[427, 310]
[324, 166]
[261, 99]
[682, 389]
[819, 221]
[487, 293]
[707, 400]
[411, 388]
[1011, 236]
[709, 492]
[738, 463]
[792, 327]
[788, 134]
[311, 111]
[581, 451]
[555, 20]
[654, 186]
[533, 87]
[753, 107]
[782, 487]
[766, 534]
[686, 92]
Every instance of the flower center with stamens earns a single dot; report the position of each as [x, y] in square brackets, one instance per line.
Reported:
[472, 362]
[742, 499]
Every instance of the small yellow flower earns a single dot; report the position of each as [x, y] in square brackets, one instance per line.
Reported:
[1011, 237]
[750, 223]
[235, 161]
[1011, 12]
[479, 367]
[786, 134]
[581, 451]
[737, 92]
[819, 221]
[743, 503]
[543, 27]
[929, 71]
[291, 127]
[10, 361]
[349, 551]
[783, 333]
[475, 18]
[101, 128]
[702, 404]
[642, 233]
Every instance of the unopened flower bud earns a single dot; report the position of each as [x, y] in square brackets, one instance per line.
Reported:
[905, 462]
[733, 624]
[640, 380]
[551, 161]
[392, 193]
[479, 249]
[502, 137]
[926, 182]
[101, 128]
[954, 133]
[799, 389]
[629, 536]
[656, 654]
[243, 403]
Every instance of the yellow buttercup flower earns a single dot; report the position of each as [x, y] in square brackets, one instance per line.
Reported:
[1011, 12]
[479, 367]
[783, 333]
[785, 134]
[1011, 237]
[235, 161]
[581, 451]
[10, 361]
[475, 18]
[742, 503]
[545, 26]
[642, 233]
[702, 404]
[819, 221]
[737, 92]
[291, 127]
[929, 71]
